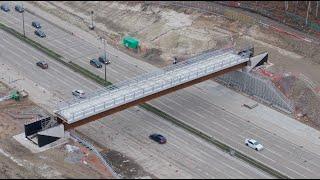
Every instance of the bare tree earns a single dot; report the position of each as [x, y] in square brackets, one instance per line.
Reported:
[308, 13]
[317, 8]
[286, 5]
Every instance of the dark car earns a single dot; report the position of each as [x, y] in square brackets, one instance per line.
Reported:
[5, 7]
[40, 33]
[95, 63]
[36, 24]
[158, 138]
[42, 64]
[19, 8]
[175, 60]
[104, 60]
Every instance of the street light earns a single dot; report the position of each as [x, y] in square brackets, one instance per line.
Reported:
[105, 59]
[24, 33]
[91, 26]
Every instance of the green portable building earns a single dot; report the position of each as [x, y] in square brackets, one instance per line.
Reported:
[15, 95]
[130, 42]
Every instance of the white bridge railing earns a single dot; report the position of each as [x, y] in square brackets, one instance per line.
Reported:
[149, 83]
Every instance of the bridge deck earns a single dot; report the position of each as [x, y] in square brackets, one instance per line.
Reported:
[147, 84]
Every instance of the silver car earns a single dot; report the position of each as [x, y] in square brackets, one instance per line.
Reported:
[78, 93]
[5, 7]
[254, 144]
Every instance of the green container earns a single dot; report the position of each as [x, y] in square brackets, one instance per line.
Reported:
[130, 42]
[15, 95]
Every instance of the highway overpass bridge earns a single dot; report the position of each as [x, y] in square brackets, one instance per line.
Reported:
[148, 86]
[145, 87]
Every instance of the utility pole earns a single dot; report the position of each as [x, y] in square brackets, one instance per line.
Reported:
[24, 33]
[308, 13]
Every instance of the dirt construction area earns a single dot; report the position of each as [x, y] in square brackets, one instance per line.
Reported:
[165, 32]
[59, 162]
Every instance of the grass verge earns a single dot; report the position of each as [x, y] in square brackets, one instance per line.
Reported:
[211, 140]
[52, 54]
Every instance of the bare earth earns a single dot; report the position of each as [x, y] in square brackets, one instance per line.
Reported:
[167, 32]
[164, 33]
[19, 162]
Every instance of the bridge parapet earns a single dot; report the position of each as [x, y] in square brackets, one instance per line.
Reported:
[149, 83]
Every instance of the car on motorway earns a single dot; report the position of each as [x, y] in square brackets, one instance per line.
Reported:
[254, 144]
[175, 60]
[95, 63]
[5, 7]
[42, 64]
[36, 24]
[104, 60]
[19, 8]
[40, 33]
[78, 93]
[158, 138]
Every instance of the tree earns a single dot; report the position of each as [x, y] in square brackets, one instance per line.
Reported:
[308, 9]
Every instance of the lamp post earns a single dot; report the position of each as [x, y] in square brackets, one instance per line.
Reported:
[105, 59]
[91, 26]
[24, 33]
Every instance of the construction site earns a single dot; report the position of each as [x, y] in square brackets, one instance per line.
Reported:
[82, 93]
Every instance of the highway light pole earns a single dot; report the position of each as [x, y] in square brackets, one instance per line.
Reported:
[91, 26]
[105, 63]
[105, 59]
[24, 33]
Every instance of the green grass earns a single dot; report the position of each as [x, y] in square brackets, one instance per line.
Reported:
[29, 41]
[89, 74]
[55, 56]
[101, 81]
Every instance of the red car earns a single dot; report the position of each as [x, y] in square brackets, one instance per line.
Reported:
[42, 64]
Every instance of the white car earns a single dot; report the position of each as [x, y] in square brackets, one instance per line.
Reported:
[78, 93]
[254, 144]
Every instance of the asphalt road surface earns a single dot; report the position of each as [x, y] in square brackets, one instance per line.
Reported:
[193, 105]
[184, 156]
